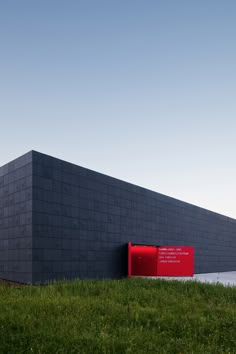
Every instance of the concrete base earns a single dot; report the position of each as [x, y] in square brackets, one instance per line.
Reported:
[225, 278]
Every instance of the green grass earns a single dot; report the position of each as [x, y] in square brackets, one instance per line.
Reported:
[118, 316]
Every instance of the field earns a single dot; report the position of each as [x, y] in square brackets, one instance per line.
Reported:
[118, 316]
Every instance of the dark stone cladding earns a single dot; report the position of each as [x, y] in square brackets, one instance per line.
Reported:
[16, 220]
[80, 222]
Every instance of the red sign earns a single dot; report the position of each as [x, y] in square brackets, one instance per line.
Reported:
[143, 260]
[175, 261]
[160, 260]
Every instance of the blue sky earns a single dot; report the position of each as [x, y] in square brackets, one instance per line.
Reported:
[140, 90]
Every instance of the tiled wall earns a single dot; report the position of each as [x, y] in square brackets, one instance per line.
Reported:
[82, 221]
[16, 220]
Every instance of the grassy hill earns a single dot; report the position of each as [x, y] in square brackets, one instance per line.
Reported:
[118, 316]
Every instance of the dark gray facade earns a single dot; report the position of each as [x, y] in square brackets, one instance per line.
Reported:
[59, 220]
[16, 220]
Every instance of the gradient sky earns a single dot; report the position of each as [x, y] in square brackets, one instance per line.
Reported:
[142, 90]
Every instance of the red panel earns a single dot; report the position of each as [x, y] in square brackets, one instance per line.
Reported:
[160, 260]
[175, 261]
[129, 259]
[143, 260]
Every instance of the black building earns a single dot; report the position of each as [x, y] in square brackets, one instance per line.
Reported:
[59, 220]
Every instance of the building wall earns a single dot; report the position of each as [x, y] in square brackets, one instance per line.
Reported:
[82, 221]
[16, 220]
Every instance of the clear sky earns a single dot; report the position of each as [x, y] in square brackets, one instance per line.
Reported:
[142, 90]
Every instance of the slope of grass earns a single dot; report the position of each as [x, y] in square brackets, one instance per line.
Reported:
[118, 316]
